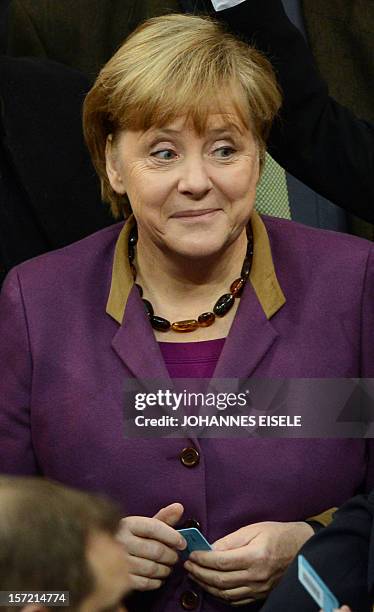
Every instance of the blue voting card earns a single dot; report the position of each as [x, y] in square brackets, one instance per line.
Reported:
[195, 541]
[315, 586]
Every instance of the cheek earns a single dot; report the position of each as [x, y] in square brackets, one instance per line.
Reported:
[239, 181]
[148, 194]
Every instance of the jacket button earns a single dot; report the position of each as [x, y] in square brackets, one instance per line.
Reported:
[191, 523]
[190, 457]
[190, 600]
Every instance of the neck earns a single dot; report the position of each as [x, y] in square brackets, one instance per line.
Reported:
[181, 287]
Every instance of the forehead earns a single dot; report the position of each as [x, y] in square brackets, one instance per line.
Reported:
[199, 109]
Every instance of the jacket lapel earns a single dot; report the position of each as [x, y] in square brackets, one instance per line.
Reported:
[135, 344]
[250, 338]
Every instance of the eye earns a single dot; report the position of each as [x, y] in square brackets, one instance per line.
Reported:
[224, 152]
[164, 154]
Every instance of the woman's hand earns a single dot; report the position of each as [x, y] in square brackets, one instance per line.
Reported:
[152, 545]
[247, 564]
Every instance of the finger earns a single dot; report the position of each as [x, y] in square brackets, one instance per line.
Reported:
[225, 581]
[255, 564]
[218, 579]
[151, 549]
[171, 514]
[148, 568]
[140, 583]
[154, 529]
[227, 560]
[234, 596]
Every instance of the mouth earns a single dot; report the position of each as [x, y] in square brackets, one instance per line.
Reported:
[186, 214]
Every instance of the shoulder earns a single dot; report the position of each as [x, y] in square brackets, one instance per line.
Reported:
[39, 94]
[295, 241]
[81, 267]
[39, 72]
[329, 267]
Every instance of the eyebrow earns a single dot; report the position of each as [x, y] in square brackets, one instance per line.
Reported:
[227, 127]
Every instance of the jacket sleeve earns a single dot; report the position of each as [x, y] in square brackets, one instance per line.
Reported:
[16, 450]
[316, 139]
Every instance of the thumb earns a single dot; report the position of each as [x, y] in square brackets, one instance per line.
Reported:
[171, 514]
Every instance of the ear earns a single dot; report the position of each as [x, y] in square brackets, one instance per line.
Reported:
[112, 166]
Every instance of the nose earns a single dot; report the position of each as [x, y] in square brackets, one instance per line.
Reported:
[194, 180]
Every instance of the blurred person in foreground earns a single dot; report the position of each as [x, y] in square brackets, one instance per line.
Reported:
[176, 124]
[53, 538]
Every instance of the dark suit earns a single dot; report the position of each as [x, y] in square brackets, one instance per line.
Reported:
[4, 8]
[340, 553]
[49, 192]
[83, 34]
[341, 33]
[317, 140]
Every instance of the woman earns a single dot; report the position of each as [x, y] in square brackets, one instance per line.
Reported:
[176, 124]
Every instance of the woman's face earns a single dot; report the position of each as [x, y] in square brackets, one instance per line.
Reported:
[191, 194]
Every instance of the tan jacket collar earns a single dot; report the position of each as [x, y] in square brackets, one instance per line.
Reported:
[262, 277]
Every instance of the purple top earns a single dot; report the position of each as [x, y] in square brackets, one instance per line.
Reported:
[191, 359]
[64, 363]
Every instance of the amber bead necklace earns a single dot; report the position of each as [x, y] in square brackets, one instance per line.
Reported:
[222, 305]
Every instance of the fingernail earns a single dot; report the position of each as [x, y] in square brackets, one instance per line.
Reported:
[182, 544]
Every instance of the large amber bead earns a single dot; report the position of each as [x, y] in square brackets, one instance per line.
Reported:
[223, 305]
[185, 326]
[148, 308]
[236, 287]
[159, 323]
[206, 319]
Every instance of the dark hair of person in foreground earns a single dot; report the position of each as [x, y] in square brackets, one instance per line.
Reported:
[45, 536]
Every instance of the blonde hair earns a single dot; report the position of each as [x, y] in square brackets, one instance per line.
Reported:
[177, 65]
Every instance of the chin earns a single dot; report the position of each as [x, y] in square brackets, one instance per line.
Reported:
[196, 250]
[199, 240]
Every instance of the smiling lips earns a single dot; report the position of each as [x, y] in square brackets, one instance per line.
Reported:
[194, 213]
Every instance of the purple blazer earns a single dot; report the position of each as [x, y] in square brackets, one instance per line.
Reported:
[65, 353]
